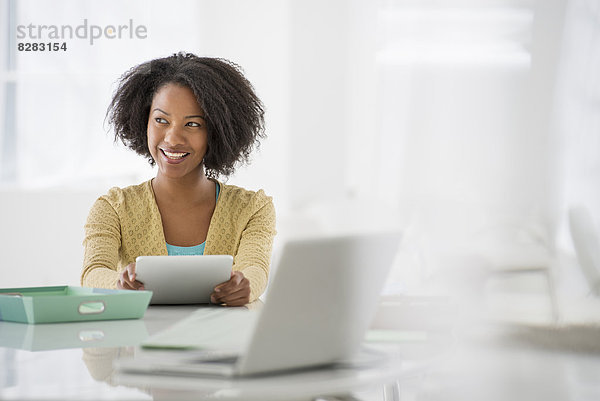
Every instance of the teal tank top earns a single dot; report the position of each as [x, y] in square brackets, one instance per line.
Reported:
[190, 250]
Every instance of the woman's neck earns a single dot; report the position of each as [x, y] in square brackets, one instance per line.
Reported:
[186, 189]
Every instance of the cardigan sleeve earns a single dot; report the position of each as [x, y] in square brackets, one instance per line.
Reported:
[101, 243]
[254, 251]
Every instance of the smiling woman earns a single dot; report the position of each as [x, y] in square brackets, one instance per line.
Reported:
[195, 119]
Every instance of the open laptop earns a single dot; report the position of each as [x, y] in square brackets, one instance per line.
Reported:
[321, 301]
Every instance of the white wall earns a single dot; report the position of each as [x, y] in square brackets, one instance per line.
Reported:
[41, 236]
[437, 118]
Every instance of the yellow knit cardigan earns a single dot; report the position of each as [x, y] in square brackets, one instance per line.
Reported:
[126, 223]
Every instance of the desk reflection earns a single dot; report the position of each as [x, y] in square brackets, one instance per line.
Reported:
[100, 361]
[54, 336]
[100, 365]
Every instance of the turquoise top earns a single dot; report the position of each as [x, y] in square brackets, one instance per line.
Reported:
[186, 250]
[189, 250]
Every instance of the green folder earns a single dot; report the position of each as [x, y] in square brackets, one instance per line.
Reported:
[71, 304]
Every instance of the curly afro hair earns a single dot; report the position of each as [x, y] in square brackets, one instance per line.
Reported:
[233, 113]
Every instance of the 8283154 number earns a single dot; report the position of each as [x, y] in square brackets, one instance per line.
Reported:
[42, 46]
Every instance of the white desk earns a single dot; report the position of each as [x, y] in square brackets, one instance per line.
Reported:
[73, 361]
[480, 363]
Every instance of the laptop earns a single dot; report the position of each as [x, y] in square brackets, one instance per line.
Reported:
[321, 301]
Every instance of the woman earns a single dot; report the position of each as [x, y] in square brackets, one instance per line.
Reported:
[195, 119]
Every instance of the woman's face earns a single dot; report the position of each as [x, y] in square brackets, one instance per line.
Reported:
[177, 135]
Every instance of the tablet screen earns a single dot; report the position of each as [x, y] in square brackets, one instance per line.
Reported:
[182, 279]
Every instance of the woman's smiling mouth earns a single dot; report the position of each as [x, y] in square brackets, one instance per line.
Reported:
[174, 155]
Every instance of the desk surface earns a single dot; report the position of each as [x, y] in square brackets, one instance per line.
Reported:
[73, 361]
[481, 362]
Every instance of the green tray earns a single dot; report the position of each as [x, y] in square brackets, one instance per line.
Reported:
[70, 304]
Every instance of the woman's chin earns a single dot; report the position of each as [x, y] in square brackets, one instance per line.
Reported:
[176, 172]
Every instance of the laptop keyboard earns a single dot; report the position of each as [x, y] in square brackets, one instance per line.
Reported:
[214, 356]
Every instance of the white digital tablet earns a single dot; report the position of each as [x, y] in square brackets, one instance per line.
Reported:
[182, 279]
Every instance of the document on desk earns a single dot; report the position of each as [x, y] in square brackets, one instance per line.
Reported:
[213, 328]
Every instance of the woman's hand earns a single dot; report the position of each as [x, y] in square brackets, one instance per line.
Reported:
[234, 292]
[127, 279]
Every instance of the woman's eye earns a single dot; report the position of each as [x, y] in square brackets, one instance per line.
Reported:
[160, 120]
[193, 124]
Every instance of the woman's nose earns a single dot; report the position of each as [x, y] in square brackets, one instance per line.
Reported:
[173, 135]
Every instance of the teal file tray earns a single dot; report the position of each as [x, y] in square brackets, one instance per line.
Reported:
[70, 304]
